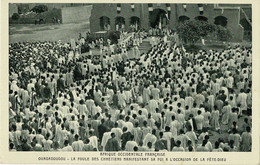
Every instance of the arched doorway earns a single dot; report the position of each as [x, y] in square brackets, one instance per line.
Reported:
[221, 20]
[134, 22]
[247, 29]
[245, 24]
[104, 23]
[120, 23]
[183, 18]
[201, 18]
[158, 18]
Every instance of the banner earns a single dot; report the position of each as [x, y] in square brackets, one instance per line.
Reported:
[132, 6]
[184, 7]
[150, 7]
[201, 9]
[118, 8]
[73, 44]
[168, 6]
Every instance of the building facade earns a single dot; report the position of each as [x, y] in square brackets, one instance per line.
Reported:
[113, 16]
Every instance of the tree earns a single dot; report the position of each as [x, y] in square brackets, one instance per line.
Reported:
[39, 8]
[206, 28]
[114, 36]
[189, 31]
[15, 16]
[193, 30]
[223, 34]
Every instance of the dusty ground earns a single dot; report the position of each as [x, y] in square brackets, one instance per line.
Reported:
[49, 32]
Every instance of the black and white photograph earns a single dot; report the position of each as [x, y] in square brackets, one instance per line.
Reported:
[130, 77]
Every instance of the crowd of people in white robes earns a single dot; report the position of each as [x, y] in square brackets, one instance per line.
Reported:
[165, 100]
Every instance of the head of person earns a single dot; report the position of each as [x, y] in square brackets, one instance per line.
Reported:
[199, 112]
[154, 131]
[204, 142]
[66, 143]
[173, 117]
[178, 143]
[149, 144]
[248, 129]
[125, 129]
[113, 135]
[190, 148]
[217, 144]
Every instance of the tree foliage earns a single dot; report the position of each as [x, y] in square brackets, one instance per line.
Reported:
[40, 8]
[223, 34]
[114, 36]
[191, 31]
[15, 16]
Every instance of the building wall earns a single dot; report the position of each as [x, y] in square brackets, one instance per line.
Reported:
[248, 12]
[110, 11]
[177, 10]
[76, 14]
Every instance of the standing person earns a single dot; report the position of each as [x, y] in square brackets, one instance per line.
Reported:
[93, 140]
[137, 132]
[242, 100]
[131, 144]
[202, 147]
[199, 121]
[126, 136]
[136, 49]
[178, 147]
[235, 137]
[207, 117]
[246, 140]
[121, 99]
[215, 119]
[118, 133]
[112, 143]
[102, 128]
[192, 136]
[60, 84]
[47, 143]
[67, 147]
[226, 113]
[101, 45]
[106, 136]
[82, 108]
[183, 138]
[77, 145]
[150, 138]
[217, 148]
[161, 143]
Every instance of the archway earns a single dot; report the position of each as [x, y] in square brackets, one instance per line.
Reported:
[135, 22]
[158, 17]
[201, 18]
[245, 24]
[104, 23]
[247, 29]
[221, 20]
[183, 18]
[119, 23]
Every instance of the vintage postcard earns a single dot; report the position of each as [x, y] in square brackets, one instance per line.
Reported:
[123, 82]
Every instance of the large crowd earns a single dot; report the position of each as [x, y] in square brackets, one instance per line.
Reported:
[166, 99]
